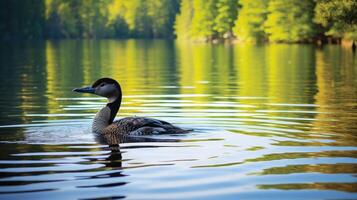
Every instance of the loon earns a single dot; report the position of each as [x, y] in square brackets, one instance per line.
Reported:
[104, 124]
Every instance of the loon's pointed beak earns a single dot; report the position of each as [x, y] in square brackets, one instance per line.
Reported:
[88, 89]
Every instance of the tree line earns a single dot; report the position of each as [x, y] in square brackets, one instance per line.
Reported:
[198, 20]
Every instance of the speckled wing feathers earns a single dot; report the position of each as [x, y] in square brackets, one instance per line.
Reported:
[142, 126]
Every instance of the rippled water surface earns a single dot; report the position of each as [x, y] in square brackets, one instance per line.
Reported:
[271, 122]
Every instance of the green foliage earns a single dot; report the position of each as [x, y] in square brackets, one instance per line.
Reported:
[203, 20]
[135, 15]
[21, 19]
[206, 19]
[143, 18]
[338, 16]
[249, 25]
[227, 11]
[184, 19]
[290, 20]
[202, 27]
[162, 14]
[110, 18]
[75, 19]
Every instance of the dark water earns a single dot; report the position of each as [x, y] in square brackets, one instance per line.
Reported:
[271, 122]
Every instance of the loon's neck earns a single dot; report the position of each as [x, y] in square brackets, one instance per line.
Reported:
[114, 106]
[106, 115]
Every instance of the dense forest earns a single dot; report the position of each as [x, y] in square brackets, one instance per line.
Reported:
[198, 20]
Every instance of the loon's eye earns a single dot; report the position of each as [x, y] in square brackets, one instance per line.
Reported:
[103, 84]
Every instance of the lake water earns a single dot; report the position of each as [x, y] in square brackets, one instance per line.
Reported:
[270, 122]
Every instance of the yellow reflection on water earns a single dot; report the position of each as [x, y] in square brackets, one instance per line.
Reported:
[336, 96]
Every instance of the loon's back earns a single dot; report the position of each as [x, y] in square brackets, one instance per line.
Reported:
[142, 126]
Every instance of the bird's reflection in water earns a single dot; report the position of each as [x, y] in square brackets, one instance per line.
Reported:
[114, 160]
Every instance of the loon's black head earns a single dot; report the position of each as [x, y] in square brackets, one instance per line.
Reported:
[104, 87]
